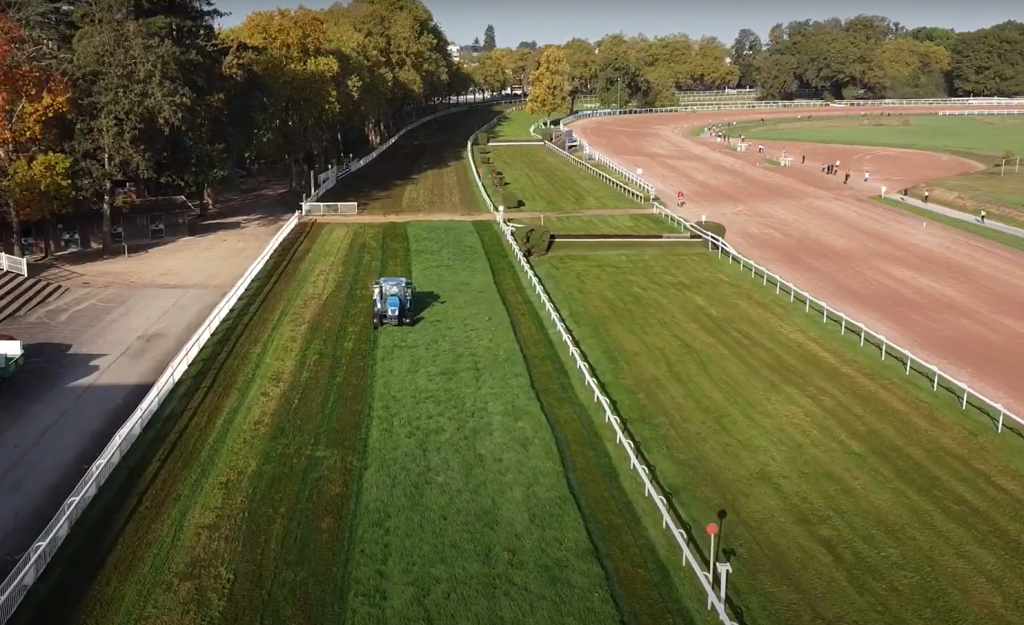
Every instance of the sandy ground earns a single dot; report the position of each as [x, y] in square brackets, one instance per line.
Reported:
[946, 295]
[94, 353]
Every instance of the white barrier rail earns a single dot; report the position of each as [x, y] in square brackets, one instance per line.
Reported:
[330, 208]
[647, 187]
[16, 586]
[787, 104]
[329, 178]
[13, 264]
[621, 436]
[982, 112]
[962, 391]
[637, 196]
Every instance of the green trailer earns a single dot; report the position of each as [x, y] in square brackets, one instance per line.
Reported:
[12, 355]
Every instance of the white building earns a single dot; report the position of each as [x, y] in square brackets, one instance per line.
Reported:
[455, 51]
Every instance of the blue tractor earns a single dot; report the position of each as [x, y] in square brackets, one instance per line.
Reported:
[393, 302]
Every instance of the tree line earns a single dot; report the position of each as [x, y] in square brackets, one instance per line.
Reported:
[101, 93]
[863, 56]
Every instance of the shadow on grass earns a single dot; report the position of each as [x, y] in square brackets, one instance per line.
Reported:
[434, 145]
[84, 552]
[422, 301]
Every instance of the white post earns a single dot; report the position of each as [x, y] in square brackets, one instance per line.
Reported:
[312, 182]
[935, 385]
[724, 568]
[909, 360]
[884, 344]
[711, 565]
[963, 404]
[999, 429]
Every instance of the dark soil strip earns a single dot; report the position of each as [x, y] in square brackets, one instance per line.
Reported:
[291, 555]
[642, 586]
[164, 453]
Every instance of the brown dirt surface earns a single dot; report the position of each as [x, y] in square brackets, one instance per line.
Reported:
[949, 297]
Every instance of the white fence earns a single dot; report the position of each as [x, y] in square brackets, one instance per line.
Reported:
[789, 104]
[982, 112]
[330, 208]
[329, 178]
[621, 436]
[13, 264]
[647, 187]
[16, 586]
[637, 196]
[829, 313]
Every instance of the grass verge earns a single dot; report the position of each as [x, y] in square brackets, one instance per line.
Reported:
[643, 589]
[546, 182]
[602, 224]
[991, 234]
[464, 514]
[829, 468]
[516, 127]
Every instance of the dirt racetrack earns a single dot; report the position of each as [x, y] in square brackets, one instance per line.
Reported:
[950, 297]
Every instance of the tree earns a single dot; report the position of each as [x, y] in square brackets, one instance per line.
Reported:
[744, 53]
[907, 68]
[36, 188]
[33, 97]
[131, 94]
[527, 45]
[476, 44]
[490, 42]
[990, 62]
[549, 91]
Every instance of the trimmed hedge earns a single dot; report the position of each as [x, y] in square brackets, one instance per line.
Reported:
[533, 240]
[482, 138]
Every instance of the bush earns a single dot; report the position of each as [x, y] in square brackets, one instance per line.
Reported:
[482, 138]
[510, 199]
[498, 178]
[533, 240]
[483, 151]
[485, 159]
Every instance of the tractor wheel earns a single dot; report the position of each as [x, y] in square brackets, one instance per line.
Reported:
[376, 321]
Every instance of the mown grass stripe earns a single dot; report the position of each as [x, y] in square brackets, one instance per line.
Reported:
[464, 514]
[264, 583]
[91, 554]
[190, 568]
[643, 589]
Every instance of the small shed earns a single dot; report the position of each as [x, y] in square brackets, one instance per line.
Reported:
[152, 219]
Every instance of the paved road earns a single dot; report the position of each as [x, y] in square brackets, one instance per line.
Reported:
[962, 216]
[91, 357]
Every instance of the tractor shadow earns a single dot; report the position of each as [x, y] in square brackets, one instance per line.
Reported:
[422, 301]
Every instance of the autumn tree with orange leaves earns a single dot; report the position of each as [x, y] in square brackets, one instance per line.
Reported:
[33, 98]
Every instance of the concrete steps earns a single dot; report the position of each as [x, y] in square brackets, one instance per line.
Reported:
[19, 295]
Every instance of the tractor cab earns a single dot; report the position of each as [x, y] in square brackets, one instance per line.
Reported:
[393, 302]
[12, 355]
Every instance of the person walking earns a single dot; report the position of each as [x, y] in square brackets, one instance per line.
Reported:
[883, 190]
[846, 178]
[926, 196]
[836, 170]
[983, 216]
[824, 168]
[867, 176]
[803, 159]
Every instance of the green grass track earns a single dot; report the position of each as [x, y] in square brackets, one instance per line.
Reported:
[464, 514]
[644, 590]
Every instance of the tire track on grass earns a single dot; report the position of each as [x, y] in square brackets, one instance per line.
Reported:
[270, 569]
[103, 549]
[641, 584]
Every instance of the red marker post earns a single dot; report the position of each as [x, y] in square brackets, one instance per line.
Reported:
[679, 198]
[712, 529]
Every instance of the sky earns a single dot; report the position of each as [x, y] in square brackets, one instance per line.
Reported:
[556, 21]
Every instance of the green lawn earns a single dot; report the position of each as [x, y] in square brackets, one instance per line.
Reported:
[1005, 238]
[516, 127]
[603, 224]
[982, 138]
[853, 494]
[464, 514]
[546, 182]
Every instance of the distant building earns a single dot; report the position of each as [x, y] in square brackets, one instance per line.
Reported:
[455, 51]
